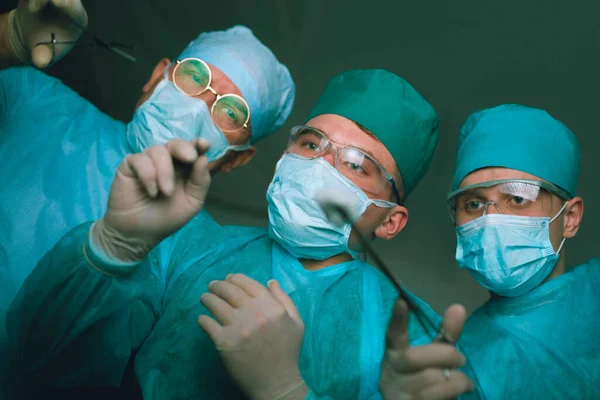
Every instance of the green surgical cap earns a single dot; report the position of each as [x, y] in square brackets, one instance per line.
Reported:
[521, 138]
[392, 110]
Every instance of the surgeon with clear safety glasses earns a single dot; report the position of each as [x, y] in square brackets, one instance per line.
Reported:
[514, 203]
[288, 312]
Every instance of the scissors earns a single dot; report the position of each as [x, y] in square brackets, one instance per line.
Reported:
[96, 42]
[337, 213]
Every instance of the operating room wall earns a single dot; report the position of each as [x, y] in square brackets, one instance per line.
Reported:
[461, 55]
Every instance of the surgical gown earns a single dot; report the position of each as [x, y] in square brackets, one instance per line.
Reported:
[73, 325]
[59, 154]
[542, 345]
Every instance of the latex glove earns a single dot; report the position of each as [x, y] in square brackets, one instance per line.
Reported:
[34, 21]
[258, 333]
[423, 372]
[153, 195]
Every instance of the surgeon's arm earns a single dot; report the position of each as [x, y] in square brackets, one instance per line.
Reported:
[78, 317]
[25, 32]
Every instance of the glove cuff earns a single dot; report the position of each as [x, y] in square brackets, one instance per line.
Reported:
[16, 39]
[112, 248]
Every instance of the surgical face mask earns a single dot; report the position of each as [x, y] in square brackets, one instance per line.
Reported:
[296, 220]
[170, 114]
[507, 254]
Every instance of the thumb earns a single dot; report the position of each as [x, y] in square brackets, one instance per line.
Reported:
[41, 55]
[453, 323]
[397, 333]
[285, 301]
[199, 181]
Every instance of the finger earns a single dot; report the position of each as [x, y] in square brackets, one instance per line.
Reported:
[232, 294]
[222, 311]
[449, 389]
[285, 301]
[202, 145]
[182, 150]
[164, 167]
[429, 377]
[212, 328]
[140, 166]
[199, 180]
[74, 9]
[397, 333]
[416, 358]
[36, 5]
[247, 284]
[453, 323]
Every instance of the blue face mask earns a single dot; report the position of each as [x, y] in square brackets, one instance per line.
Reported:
[170, 114]
[508, 255]
[296, 220]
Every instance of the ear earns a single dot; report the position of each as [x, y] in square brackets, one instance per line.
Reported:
[156, 74]
[236, 159]
[573, 216]
[393, 224]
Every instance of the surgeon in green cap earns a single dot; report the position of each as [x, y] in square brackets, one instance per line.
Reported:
[514, 204]
[290, 312]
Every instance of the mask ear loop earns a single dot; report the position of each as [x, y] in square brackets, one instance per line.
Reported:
[552, 220]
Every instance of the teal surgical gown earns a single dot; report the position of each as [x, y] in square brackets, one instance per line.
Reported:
[72, 325]
[542, 345]
[59, 154]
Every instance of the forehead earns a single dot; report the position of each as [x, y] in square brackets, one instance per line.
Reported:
[493, 174]
[346, 132]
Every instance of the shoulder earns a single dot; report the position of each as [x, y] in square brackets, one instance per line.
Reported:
[27, 76]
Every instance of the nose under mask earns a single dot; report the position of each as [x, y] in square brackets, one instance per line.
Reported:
[296, 220]
[508, 255]
[169, 114]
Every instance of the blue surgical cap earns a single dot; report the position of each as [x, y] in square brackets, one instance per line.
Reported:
[522, 138]
[264, 82]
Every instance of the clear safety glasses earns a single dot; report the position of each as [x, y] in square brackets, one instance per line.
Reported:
[360, 168]
[193, 77]
[522, 197]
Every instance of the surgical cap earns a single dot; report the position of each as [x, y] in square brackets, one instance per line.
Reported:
[392, 110]
[264, 82]
[521, 138]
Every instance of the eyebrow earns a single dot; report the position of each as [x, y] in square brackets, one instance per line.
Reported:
[328, 135]
[475, 192]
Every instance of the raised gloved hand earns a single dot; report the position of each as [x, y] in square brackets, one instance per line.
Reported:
[153, 195]
[258, 333]
[34, 21]
[423, 372]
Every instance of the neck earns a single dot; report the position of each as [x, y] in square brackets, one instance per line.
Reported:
[559, 268]
[315, 265]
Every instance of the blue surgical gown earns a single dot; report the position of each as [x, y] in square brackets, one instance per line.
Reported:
[72, 325]
[542, 345]
[59, 154]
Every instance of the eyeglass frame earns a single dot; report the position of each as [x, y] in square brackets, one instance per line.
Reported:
[388, 177]
[551, 188]
[212, 90]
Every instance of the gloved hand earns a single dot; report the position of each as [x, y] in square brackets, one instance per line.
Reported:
[34, 21]
[258, 333]
[423, 372]
[153, 195]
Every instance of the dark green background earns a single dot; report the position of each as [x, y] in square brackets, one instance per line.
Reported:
[461, 55]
